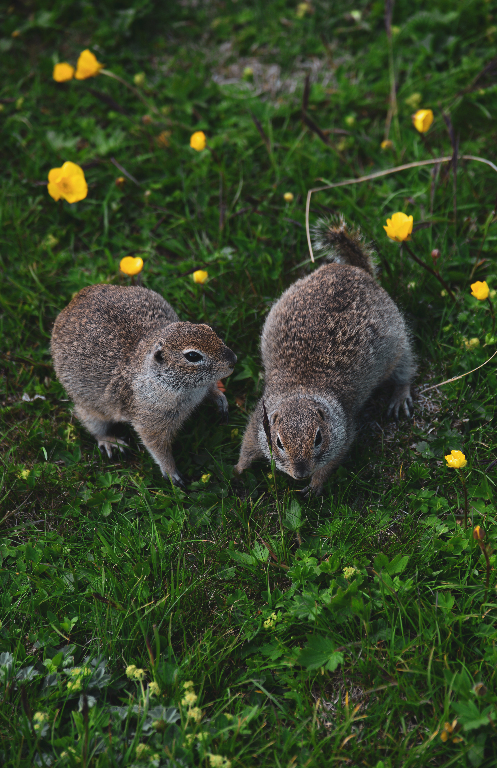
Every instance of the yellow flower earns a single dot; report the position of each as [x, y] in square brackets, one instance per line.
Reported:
[349, 571]
[399, 227]
[471, 343]
[68, 183]
[413, 101]
[139, 674]
[131, 265]
[448, 730]
[74, 685]
[63, 72]
[478, 533]
[205, 478]
[302, 9]
[288, 197]
[130, 671]
[39, 720]
[189, 684]
[422, 119]
[139, 78]
[198, 141]
[195, 713]
[200, 276]
[154, 689]
[218, 761]
[163, 138]
[120, 182]
[480, 290]
[142, 751]
[387, 144]
[87, 65]
[189, 698]
[456, 459]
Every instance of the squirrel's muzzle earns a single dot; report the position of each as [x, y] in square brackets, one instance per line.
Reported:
[230, 358]
[300, 470]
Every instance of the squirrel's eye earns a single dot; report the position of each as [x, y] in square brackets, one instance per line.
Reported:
[319, 439]
[159, 356]
[193, 357]
[279, 444]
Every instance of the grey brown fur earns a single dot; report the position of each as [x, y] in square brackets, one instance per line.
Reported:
[328, 342]
[120, 354]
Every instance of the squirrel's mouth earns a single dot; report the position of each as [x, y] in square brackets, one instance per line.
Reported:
[299, 471]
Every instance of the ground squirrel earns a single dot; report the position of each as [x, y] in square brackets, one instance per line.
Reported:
[327, 343]
[123, 356]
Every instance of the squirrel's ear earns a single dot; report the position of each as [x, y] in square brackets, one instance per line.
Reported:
[274, 418]
[159, 355]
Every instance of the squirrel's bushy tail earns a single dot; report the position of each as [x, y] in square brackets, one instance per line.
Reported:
[343, 245]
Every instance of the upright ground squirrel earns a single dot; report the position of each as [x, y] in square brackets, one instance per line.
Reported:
[123, 355]
[327, 343]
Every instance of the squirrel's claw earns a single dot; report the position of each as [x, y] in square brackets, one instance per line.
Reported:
[401, 397]
[407, 407]
[178, 480]
[108, 444]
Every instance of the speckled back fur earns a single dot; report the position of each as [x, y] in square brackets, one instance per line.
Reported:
[327, 343]
[122, 354]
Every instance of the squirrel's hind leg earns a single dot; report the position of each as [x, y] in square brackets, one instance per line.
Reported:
[402, 378]
[102, 430]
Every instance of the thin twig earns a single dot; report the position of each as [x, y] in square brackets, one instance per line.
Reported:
[429, 269]
[455, 378]
[123, 170]
[378, 175]
[130, 87]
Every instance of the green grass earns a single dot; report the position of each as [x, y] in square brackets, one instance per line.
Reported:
[346, 630]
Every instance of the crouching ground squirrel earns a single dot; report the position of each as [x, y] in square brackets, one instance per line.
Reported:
[123, 355]
[328, 342]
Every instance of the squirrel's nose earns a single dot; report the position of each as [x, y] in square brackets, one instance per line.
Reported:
[230, 358]
[300, 470]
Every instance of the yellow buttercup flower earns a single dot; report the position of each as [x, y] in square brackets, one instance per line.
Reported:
[456, 460]
[399, 227]
[480, 290]
[68, 183]
[478, 533]
[288, 197]
[131, 265]
[87, 65]
[387, 144]
[422, 119]
[200, 276]
[198, 141]
[63, 72]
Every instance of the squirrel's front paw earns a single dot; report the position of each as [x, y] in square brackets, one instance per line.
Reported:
[222, 407]
[311, 490]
